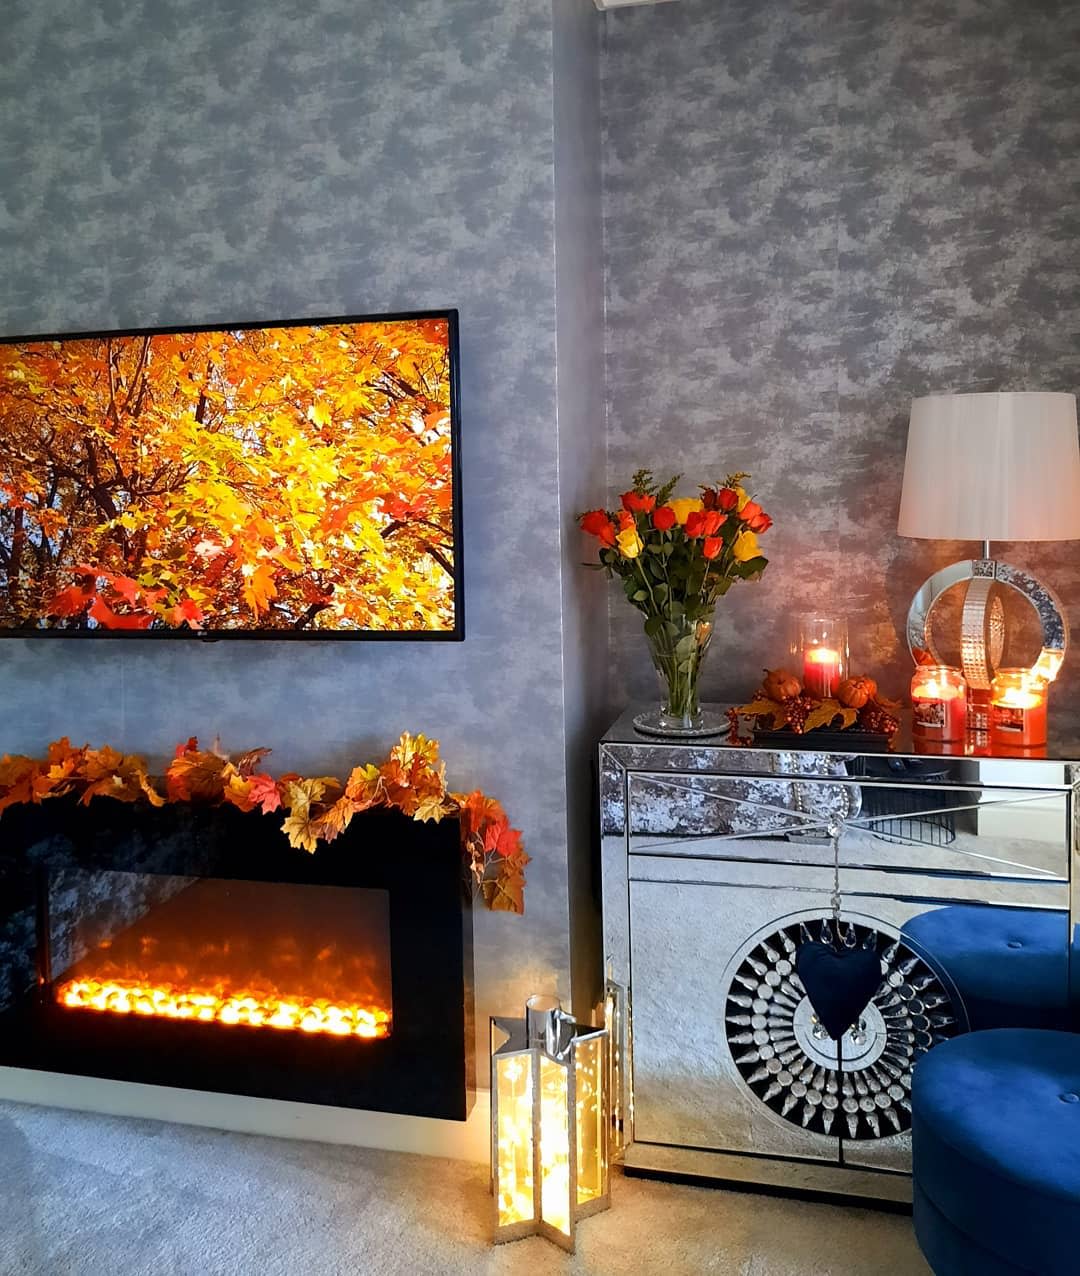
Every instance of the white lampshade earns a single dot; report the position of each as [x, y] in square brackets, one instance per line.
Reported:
[992, 467]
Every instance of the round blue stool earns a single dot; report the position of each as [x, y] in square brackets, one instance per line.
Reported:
[1009, 965]
[996, 1154]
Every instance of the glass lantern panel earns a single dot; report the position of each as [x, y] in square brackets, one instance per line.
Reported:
[514, 1188]
[589, 1096]
[555, 1186]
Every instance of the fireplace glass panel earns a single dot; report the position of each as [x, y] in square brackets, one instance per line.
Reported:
[240, 954]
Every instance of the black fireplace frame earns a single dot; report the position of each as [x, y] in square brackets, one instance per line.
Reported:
[424, 1068]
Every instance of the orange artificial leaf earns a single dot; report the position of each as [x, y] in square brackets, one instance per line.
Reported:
[237, 792]
[196, 777]
[334, 820]
[265, 793]
[364, 786]
[17, 775]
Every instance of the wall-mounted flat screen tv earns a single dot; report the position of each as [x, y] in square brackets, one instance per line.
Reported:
[285, 480]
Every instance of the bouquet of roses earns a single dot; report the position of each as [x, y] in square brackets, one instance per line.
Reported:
[676, 556]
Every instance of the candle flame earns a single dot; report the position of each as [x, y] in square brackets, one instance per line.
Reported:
[822, 656]
[1018, 698]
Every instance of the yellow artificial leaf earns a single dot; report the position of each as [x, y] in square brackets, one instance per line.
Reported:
[825, 713]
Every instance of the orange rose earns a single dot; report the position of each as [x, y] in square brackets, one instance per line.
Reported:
[704, 523]
[663, 519]
[626, 521]
[750, 511]
[695, 523]
[760, 522]
[711, 546]
[638, 502]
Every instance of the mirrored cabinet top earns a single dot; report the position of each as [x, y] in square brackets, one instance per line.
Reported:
[974, 760]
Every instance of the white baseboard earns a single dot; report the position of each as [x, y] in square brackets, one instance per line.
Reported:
[468, 1140]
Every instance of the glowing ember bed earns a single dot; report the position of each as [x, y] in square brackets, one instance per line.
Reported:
[192, 946]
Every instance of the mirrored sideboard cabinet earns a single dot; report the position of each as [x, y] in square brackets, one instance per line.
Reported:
[719, 863]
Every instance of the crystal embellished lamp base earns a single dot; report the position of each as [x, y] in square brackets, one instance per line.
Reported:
[983, 626]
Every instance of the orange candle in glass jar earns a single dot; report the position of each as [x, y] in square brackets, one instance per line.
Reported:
[821, 672]
[1017, 710]
[939, 704]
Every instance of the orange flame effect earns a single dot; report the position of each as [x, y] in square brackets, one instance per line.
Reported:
[255, 1011]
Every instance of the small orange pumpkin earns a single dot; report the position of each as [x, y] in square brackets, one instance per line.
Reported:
[780, 685]
[854, 693]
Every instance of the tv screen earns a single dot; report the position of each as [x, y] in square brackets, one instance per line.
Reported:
[287, 480]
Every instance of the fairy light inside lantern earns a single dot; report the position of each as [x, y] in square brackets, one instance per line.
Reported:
[549, 1130]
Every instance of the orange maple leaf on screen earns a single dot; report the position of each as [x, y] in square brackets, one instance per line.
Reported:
[71, 602]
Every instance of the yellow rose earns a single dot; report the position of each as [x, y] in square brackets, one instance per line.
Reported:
[629, 543]
[743, 498]
[685, 506]
[745, 547]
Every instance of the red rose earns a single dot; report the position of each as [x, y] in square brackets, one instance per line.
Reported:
[727, 499]
[663, 519]
[711, 546]
[695, 523]
[626, 521]
[708, 497]
[749, 511]
[760, 522]
[713, 522]
[638, 502]
[597, 523]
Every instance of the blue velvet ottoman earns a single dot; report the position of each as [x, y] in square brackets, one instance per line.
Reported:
[1010, 965]
[996, 1154]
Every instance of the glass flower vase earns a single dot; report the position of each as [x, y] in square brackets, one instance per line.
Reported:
[678, 647]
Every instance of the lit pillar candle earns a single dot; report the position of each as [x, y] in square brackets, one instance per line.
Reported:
[938, 704]
[1017, 710]
[821, 672]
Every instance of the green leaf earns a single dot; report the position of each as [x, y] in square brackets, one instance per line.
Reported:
[639, 596]
[751, 568]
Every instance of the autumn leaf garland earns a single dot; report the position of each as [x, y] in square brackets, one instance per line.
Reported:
[411, 780]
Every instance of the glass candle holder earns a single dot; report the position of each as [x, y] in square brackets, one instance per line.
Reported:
[820, 647]
[1017, 710]
[938, 704]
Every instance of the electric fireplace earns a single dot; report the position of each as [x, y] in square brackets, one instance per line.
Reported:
[192, 946]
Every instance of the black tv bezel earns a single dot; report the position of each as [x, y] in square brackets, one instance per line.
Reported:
[457, 634]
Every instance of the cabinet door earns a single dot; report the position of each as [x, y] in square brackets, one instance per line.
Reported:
[713, 1024]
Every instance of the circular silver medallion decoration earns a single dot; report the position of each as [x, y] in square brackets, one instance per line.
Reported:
[788, 1060]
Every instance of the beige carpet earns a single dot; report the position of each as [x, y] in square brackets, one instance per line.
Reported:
[98, 1196]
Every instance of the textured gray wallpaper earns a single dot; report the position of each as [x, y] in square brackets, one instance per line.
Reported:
[815, 210]
[185, 161]
[579, 304]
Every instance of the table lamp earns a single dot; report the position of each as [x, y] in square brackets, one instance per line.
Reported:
[990, 467]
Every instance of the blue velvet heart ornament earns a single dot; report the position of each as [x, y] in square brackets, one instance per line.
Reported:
[839, 981]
